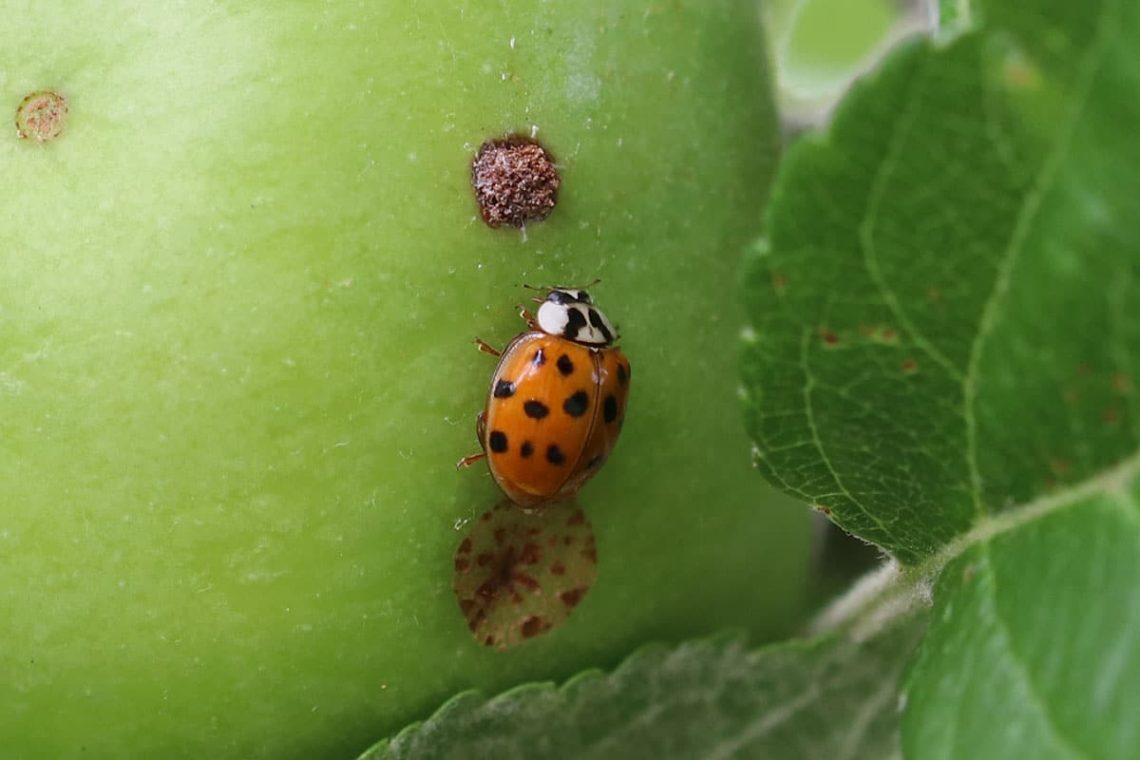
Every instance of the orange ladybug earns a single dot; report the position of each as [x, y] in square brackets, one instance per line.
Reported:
[556, 403]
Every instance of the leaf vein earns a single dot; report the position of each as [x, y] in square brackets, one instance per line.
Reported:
[1030, 207]
[809, 385]
[884, 171]
[1018, 664]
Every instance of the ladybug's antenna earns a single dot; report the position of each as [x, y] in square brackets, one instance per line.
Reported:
[545, 288]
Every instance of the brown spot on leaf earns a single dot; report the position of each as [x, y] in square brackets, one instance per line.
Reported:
[779, 282]
[557, 568]
[515, 180]
[1121, 383]
[1112, 415]
[909, 366]
[464, 547]
[41, 116]
[830, 339]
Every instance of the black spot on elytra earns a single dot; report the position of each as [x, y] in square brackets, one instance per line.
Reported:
[498, 441]
[504, 389]
[554, 454]
[598, 324]
[526, 450]
[610, 408]
[623, 375]
[539, 358]
[574, 322]
[576, 405]
[536, 410]
[565, 366]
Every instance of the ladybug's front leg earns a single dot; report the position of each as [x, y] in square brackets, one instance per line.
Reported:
[486, 347]
[527, 316]
[480, 433]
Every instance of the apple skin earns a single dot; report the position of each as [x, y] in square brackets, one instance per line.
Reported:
[237, 302]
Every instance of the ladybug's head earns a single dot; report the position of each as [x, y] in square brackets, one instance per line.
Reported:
[570, 313]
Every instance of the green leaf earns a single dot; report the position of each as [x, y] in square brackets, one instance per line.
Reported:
[944, 321]
[1057, 654]
[710, 698]
[943, 355]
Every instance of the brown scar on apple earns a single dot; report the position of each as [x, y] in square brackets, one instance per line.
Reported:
[515, 180]
[519, 574]
[41, 116]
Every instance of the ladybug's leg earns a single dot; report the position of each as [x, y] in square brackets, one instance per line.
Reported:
[480, 433]
[526, 315]
[467, 461]
[486, 347]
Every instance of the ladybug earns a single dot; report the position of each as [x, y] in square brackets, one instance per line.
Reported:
[556, 403]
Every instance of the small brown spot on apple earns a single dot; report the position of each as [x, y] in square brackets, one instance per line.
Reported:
[41, 116]
[515, 180]
[517, 572]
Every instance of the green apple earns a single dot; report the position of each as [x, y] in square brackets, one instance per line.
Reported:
[238, 294]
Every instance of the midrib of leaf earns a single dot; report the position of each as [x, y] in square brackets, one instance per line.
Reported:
[897, 593]
[1030, 206]
[1017, 662]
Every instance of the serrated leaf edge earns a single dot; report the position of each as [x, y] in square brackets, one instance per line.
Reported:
[636, 659]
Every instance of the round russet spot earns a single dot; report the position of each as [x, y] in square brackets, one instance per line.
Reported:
[554, 454]
[41, 116]
[565, 365]
[504, 389]
[526, 450]
[610, 408]
[577, 404]
[497, 441]
[515, 181]
[519, 574]
[536, 410]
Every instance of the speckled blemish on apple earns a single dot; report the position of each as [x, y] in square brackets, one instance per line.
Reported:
[41, 116]
[515, 181]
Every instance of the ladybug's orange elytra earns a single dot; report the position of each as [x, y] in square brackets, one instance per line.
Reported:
[556, 402]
